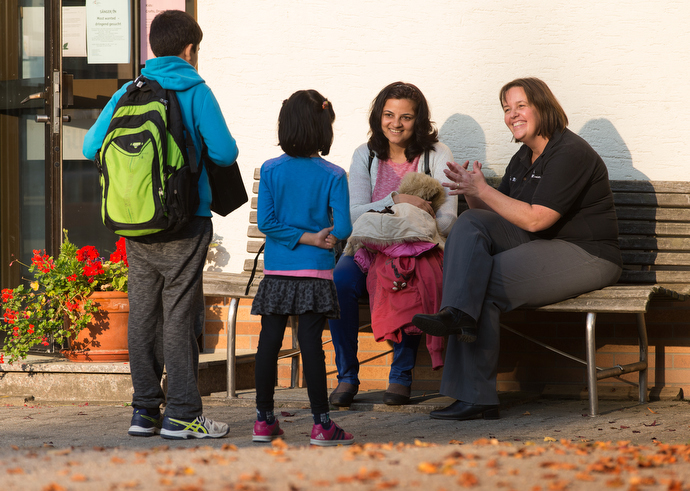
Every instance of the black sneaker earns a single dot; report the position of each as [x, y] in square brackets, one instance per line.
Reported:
[145, 423]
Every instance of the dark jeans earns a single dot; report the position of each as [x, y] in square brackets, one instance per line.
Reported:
[309, 331]
[351, 285]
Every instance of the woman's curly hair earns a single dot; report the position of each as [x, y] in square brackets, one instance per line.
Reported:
[424, 133]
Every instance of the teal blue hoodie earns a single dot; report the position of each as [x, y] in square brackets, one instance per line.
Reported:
[201, 115]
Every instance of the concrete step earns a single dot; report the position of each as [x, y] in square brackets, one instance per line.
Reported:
[54, 378]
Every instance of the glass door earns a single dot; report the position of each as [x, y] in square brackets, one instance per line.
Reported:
[49, 97]
[25, 175]
[51, 93]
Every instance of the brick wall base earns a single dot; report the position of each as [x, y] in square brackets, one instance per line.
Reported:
[522, 365]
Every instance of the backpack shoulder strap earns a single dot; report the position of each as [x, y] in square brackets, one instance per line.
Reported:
[371, 157]
[256, 262]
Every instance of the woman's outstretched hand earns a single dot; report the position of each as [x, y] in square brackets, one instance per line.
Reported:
[469, 183]
[322, 239]
[416, 201]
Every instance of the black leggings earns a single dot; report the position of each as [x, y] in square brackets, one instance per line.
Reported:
[271, 340]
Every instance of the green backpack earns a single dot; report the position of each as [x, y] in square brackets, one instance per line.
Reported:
[149, 179]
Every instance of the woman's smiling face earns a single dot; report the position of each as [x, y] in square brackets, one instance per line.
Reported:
[520, 116]
[397, 121]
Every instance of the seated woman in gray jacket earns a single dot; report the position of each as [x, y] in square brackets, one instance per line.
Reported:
[402, 139]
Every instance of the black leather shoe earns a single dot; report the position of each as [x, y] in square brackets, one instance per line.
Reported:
[343, 395]
[397, 395]
[461, 411]
[448, 321]
[391, 399]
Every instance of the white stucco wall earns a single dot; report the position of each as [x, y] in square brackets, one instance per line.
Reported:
[620, 68]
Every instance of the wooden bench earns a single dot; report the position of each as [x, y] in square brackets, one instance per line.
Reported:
[654, 227]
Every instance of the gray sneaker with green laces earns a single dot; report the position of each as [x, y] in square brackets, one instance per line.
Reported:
[199, 427]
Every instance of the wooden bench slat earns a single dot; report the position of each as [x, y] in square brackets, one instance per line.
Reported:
[650, 186]
[640, 242]
[652, 213]
[629, 227]
[663, 200]
[228, 284]
[656, 258]
[253, 246]
[249, 265]
[618, 305]
[254, 232]
[652, 277]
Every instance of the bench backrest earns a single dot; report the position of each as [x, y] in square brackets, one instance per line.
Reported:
[653, 223]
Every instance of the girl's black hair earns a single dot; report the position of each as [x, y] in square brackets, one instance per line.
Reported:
[424, 135]
[305, 124]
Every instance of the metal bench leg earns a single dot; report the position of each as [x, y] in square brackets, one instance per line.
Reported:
[644, 349]
[591, 364]
[231, 355]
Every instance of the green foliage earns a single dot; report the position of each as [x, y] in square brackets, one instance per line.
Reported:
[56, 303]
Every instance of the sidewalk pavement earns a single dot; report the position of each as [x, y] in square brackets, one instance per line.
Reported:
[538, 444]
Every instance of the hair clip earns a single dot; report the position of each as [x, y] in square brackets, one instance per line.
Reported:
[284, 101]
[325, 104]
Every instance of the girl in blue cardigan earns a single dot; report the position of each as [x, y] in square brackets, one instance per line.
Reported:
[304, 209]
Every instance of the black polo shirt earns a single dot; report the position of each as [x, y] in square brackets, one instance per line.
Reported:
[570, 178]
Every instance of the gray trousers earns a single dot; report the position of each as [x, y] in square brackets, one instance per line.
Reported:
[492, 266]
[166, 316]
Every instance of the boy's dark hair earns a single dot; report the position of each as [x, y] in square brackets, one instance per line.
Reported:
[552, 117]
[424, 135]
[171, 31]
[305, 124]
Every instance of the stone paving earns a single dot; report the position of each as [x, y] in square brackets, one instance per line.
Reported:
[538, 444]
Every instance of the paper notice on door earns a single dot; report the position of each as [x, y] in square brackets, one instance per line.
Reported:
[108, 31]
[73, 31]
[149, 9]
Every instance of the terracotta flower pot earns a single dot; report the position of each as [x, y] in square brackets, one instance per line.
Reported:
[105, 338]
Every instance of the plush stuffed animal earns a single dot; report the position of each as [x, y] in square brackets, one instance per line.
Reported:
[424, 186]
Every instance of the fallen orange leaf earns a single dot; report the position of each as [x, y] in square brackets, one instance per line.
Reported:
[467, 479]
[427, 468]
[583, 476]
[53, 487]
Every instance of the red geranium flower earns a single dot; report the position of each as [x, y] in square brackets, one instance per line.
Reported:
[87, 253]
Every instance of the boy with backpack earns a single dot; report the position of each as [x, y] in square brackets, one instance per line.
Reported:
[166, 268]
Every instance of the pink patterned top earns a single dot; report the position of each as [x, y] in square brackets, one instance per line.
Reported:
[389, 176]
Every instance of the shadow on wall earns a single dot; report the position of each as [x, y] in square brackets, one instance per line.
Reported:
[605, 139]
[218, 256]
[466, 140]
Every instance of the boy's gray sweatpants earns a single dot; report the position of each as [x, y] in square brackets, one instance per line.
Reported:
[166, 316]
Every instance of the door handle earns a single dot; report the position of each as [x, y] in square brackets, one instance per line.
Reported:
[37, 95]
[44, 118]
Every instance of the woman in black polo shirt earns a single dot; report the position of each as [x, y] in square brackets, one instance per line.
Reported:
[549, 232]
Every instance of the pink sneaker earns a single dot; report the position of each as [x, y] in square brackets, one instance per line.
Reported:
[332, 437]
[263, 432]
